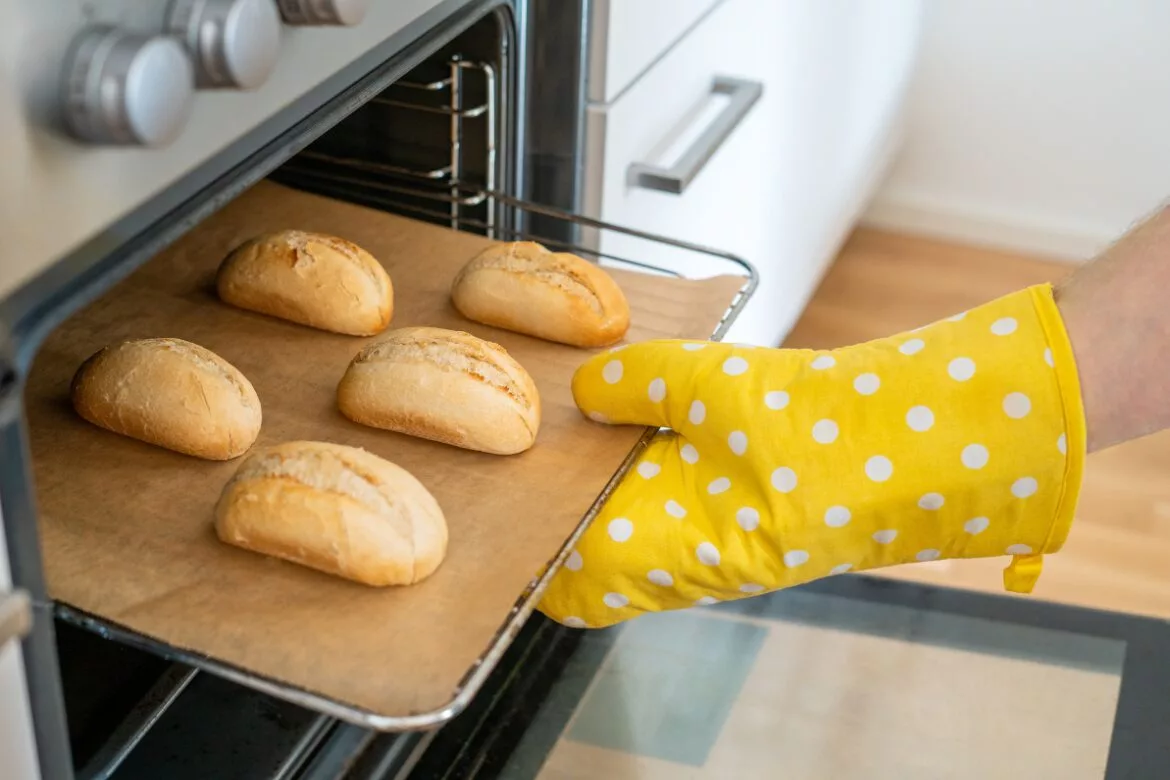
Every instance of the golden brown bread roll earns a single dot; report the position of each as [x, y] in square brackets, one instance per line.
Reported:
[523, 287]
[443, 385]
[310, 278]
[171, 393]
[337, 509]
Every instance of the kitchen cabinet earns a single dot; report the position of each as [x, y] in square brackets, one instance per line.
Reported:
[784, 187]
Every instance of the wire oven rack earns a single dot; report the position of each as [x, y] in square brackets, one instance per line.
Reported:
[444, 196]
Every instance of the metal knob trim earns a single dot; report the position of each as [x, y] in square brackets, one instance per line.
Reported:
[124, 88]
[234, 43]
[323, 12]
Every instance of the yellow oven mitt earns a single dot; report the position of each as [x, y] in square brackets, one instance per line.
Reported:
[964, 439]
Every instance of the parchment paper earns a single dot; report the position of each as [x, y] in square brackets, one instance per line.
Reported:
[127, 527]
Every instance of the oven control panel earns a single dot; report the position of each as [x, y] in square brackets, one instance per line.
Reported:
[132, 86]
[106, 103]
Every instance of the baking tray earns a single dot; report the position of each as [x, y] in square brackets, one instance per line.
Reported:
[128, 544]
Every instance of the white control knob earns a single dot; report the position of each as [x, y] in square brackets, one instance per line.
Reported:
[124, 88]
[323, 12]
[235, 43]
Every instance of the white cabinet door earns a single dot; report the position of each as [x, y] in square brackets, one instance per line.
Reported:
[626, 36]
[784, 188]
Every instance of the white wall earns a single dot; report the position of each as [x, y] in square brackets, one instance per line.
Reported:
[1040, 125]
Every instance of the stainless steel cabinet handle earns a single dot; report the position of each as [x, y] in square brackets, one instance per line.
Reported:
[675, 179]
[15, 616]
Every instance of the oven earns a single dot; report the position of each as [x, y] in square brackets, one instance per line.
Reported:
[129, 125]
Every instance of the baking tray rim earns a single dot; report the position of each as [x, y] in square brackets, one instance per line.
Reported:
[473, 680]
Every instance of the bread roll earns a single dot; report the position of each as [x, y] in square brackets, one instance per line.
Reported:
[337, 509]
[443, 385]
[523, 287]
[171, 393]
[310, 278]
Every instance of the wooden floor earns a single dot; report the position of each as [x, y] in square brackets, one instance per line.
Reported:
[1118, 555]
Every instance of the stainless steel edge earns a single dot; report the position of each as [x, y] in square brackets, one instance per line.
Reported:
[596, 47]
[593, 174]
[744, 95]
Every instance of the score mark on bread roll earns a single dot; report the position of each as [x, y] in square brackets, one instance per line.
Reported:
[336, 509]
[170, 393]
[309, 278]
[523, 287]
[443, 385]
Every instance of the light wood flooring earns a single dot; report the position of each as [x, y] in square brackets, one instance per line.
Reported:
[1118, 554]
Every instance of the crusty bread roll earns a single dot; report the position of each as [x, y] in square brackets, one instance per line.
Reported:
[310, 278]
[337, 509]
[523, 287]
[443, 385]
[171, 393]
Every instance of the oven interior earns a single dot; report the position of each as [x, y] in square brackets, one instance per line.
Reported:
[438, 145]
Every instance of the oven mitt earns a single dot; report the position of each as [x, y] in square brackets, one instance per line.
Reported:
[964, 439]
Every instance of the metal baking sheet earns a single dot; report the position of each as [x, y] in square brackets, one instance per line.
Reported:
[127, 528]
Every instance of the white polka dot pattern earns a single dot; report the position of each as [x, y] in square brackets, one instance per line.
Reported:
[975, 456]
[748, 518]
[867, 384]
[912, 347]
[961, 369]
[788, 466]
[648, 470]
[1017, 405]
[920, 418]
[615, 600]
[698, 413]
[879, 468]
[823, 362]
[1025, 487]
[825, 431]
[738, 442]
[621, 529]
[794, 558]
[734, 366]
[660, 577]
[837, 516]
[776, 400]
[1004, 326]
[784, 479]
[976, 525]
[721, 485]
[708, 554]
[932, 502]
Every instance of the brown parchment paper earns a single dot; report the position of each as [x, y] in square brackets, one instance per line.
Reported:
[127, 527]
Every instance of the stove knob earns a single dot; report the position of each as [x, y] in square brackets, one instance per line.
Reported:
[235, 43]
[123, 88]
[323, 12]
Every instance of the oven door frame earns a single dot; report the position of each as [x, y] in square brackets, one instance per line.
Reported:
[31, 312]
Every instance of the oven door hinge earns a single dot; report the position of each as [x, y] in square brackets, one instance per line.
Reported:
[15, 616]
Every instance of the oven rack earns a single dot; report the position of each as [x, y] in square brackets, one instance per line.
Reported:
[336, 720]
[445, 96]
